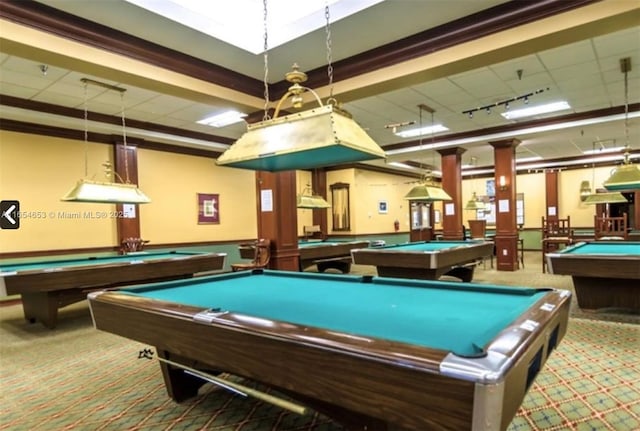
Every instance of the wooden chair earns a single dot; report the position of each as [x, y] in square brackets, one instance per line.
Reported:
[260, 258]
[556, 232]
[478, 229]
[607, 228]
[313, 232]
[132, 245]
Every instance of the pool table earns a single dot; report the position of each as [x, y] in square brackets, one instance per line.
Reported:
[370, 352]
[605, 273]
[47, 284]
[425, 260]
[328, 254]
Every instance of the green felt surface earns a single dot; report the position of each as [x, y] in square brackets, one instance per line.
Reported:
[447, 316]
[425, 246]
[605, 248]
[48, 264]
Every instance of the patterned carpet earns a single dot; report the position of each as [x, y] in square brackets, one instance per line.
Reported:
[77, 378]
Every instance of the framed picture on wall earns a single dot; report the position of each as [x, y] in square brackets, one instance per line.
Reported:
[208, 208]
[382, 207]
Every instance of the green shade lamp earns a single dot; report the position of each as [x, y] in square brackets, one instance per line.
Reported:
[626, 176]
[106, 192]
[427, 191]
[605, 198]
[308, 200]
[474, 203]
[324, 136]
[585, 190]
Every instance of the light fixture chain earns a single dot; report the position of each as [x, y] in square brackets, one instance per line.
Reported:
[329, 57]
[265, 117]
[433, 153]
[124, 140]
[626, 112]
[86, 132]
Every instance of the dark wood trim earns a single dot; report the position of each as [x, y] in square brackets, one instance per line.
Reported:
[88, 250]
[373, 168]
[59, 132]
[596, 113]
[59, 23]
[490, 21]
[551, 193]
[102, 138]
[126, 166]
[493, 20]
[50, 108]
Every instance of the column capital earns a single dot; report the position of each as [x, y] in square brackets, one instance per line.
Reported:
[505, 143]
[452, 151]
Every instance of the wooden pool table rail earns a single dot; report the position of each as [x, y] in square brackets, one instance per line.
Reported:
[459, 261]
[328, 255]
[329, 371]
[43, 292]
[611, 281]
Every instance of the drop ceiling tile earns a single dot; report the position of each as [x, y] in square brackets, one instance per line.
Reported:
[567, 55]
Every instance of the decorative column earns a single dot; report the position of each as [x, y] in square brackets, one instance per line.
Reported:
[451, 161]
[129, 225]
[551, 194]
[506, 239]
[278, 217]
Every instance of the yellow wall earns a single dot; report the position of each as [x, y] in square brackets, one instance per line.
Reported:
[172, 181]
[470, 186]
[369, 189]
[366, 190]
[569, 194]
[38, 171]
[342, 176]
[534, 190]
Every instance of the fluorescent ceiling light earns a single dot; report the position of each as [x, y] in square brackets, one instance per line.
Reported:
[528, 159]
[536, 110]
[241, 22]
[411, 133]
[512, 133]
[602, 159]
[477, 172]
[589, 161]
[224, 119]
[604, 150]
[402, 165]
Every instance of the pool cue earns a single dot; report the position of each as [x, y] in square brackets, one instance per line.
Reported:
[241, 389]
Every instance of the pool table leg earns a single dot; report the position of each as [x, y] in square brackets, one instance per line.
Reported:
[464, 273]
[42, 307]
[597, 293]
[180, 386]
[342, 264]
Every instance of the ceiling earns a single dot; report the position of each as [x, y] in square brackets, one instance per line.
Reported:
[573, 56]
